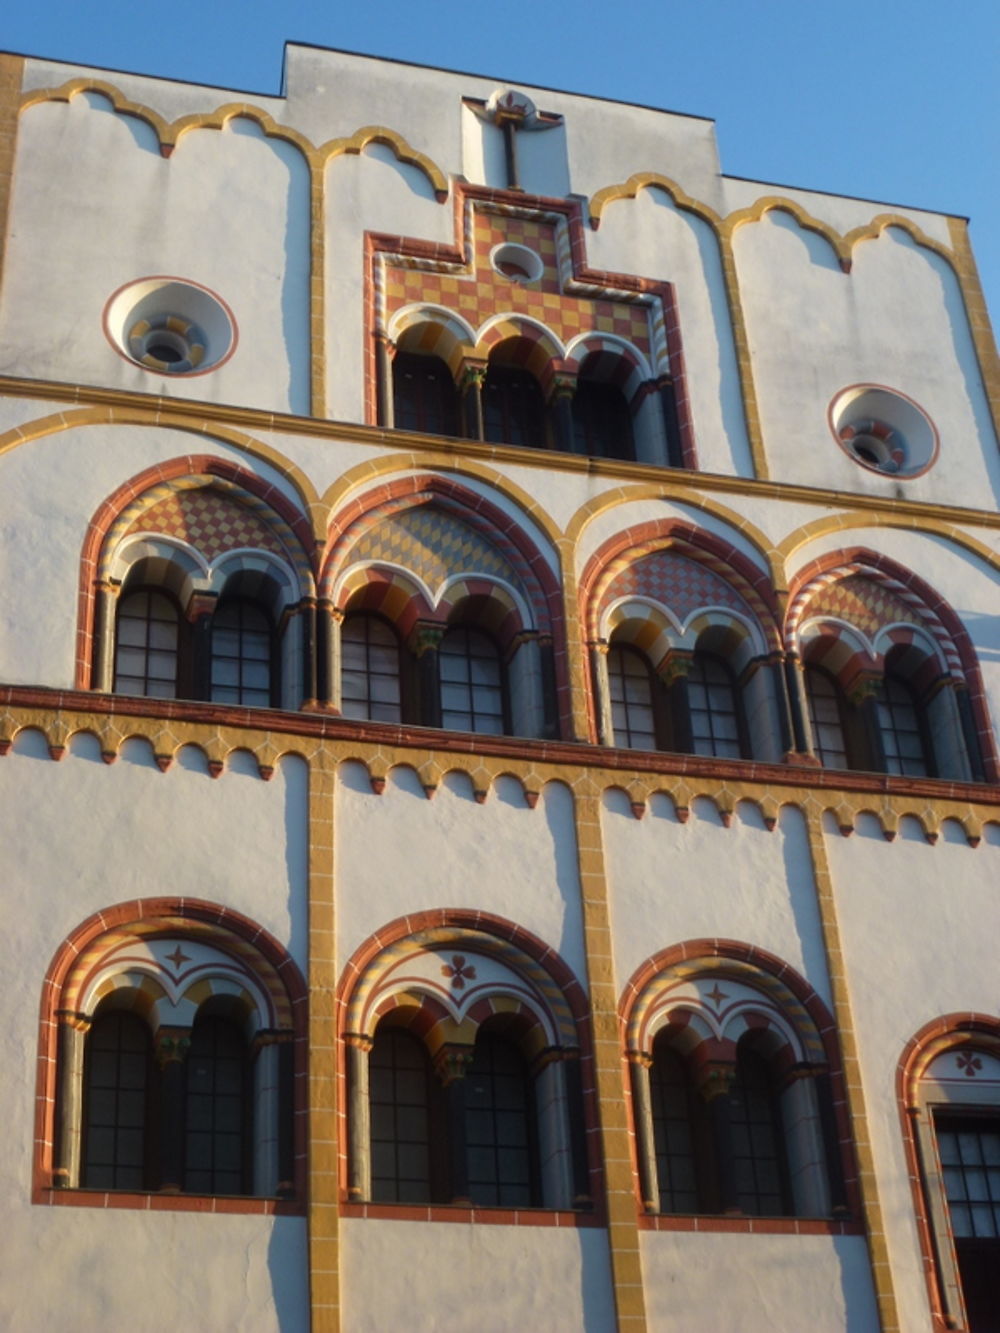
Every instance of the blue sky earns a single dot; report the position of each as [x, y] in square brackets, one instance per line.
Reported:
[893, 100]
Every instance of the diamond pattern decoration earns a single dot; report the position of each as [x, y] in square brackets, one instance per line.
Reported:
[675, 582]
[862, 603]
[208, 521]
[434, 546]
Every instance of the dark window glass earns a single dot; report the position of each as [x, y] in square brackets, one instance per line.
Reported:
[903, 741]
[147, 645]
[630, 685]
[471, 683]
[216, 1140]
[513, 408]
[241, 654]
[498, 1126]
[969, 1152]
[369, 678]
[715, 723]
[424, 396]
[402, 1097]
[602, 423]
[826, 718]
[756, 1138]
[116, 1085]
[673, 1132]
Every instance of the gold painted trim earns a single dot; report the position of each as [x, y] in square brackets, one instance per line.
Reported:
[871, 1205]
[616, 1150]
[167, 735]
[744, 357]
[855, 519]
[169, 133]
[317, 286]
[770, 555]
[642, 180]
[978, 316]
[11, 75]
[324, 1177]
[381, 469]
[57, 422]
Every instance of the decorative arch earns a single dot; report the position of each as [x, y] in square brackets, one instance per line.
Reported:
[117, 958]
[708, 999]
[948, 1076]
[448, 976]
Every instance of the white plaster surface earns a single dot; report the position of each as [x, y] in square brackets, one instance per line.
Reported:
[132, 1272]
[918, 927]
[757, 1284]
[403, 853]
[481, 1279]
[671, 882]
[81, 835]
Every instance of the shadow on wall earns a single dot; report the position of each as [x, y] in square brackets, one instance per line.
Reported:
[288, 1265]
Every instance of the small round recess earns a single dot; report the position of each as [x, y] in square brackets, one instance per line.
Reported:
[170, 326]
[516, 262]
[884, 431]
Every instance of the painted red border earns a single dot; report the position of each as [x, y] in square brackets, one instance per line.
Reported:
[126, 913]
[563, 976]
[963, 1028]
[107, 512]
[934, 602]
[458, 251]
[483, 509]
[823, 1020]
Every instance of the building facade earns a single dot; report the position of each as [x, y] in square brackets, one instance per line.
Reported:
[499, 668]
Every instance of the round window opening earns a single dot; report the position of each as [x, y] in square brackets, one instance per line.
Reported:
[884, 431]
[170, 326]
[516, 262]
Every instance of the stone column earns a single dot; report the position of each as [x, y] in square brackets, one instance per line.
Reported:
[451, 1065]
[424, 641]
[561, 407]
[639, 1064]
[470, 387]
[715, 1084]
[102, 663]
[72, 1037]
[171, 1049]
[671, 424]
[359, 1167]
[385, 351]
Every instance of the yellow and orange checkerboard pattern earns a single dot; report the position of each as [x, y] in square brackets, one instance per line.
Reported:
[481, 292]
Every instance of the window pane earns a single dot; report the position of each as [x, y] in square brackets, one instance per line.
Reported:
[713, 707]
[216, 1109]
[241, 654]
[146, 645]
[116, 1072]
[370, 676]
[399, 1081]
[631, 686]
[471, 682]
[499, 1125]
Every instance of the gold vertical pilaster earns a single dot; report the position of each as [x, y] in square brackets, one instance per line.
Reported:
[878, 1252]
[623, 1223]
[324, 1210]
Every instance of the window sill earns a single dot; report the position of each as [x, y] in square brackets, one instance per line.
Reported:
[758, 1226]
[139, 1200]
[446, 1212]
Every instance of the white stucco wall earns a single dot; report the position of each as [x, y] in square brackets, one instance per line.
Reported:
[80, 835]
[670, 882]
[772, 1284]
[403, 853]
[918, 926]
[468, 1278]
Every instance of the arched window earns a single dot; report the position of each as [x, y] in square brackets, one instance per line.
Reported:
[499, 1119]
[472, 683]
[175, 1058]
[633, 695]
[951, 1124]
[424, 395]
[242, 651]
[217, 1109]
[406, 1115]
[150, 639]
[116, 1083]
[370, 669]
[713, 702]
[720, 1126]
[757, 1137]
[905, 744]
[467, 1090]
[826, 718]
[602, 422]
[679, 1134]
[514, 408]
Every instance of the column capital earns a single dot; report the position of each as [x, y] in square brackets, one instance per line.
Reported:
[171, 1046]
[452, 1062]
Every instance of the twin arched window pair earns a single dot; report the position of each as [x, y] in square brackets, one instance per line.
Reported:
[592, 417]
[701, 712]
[378, 684]
[159, 653]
